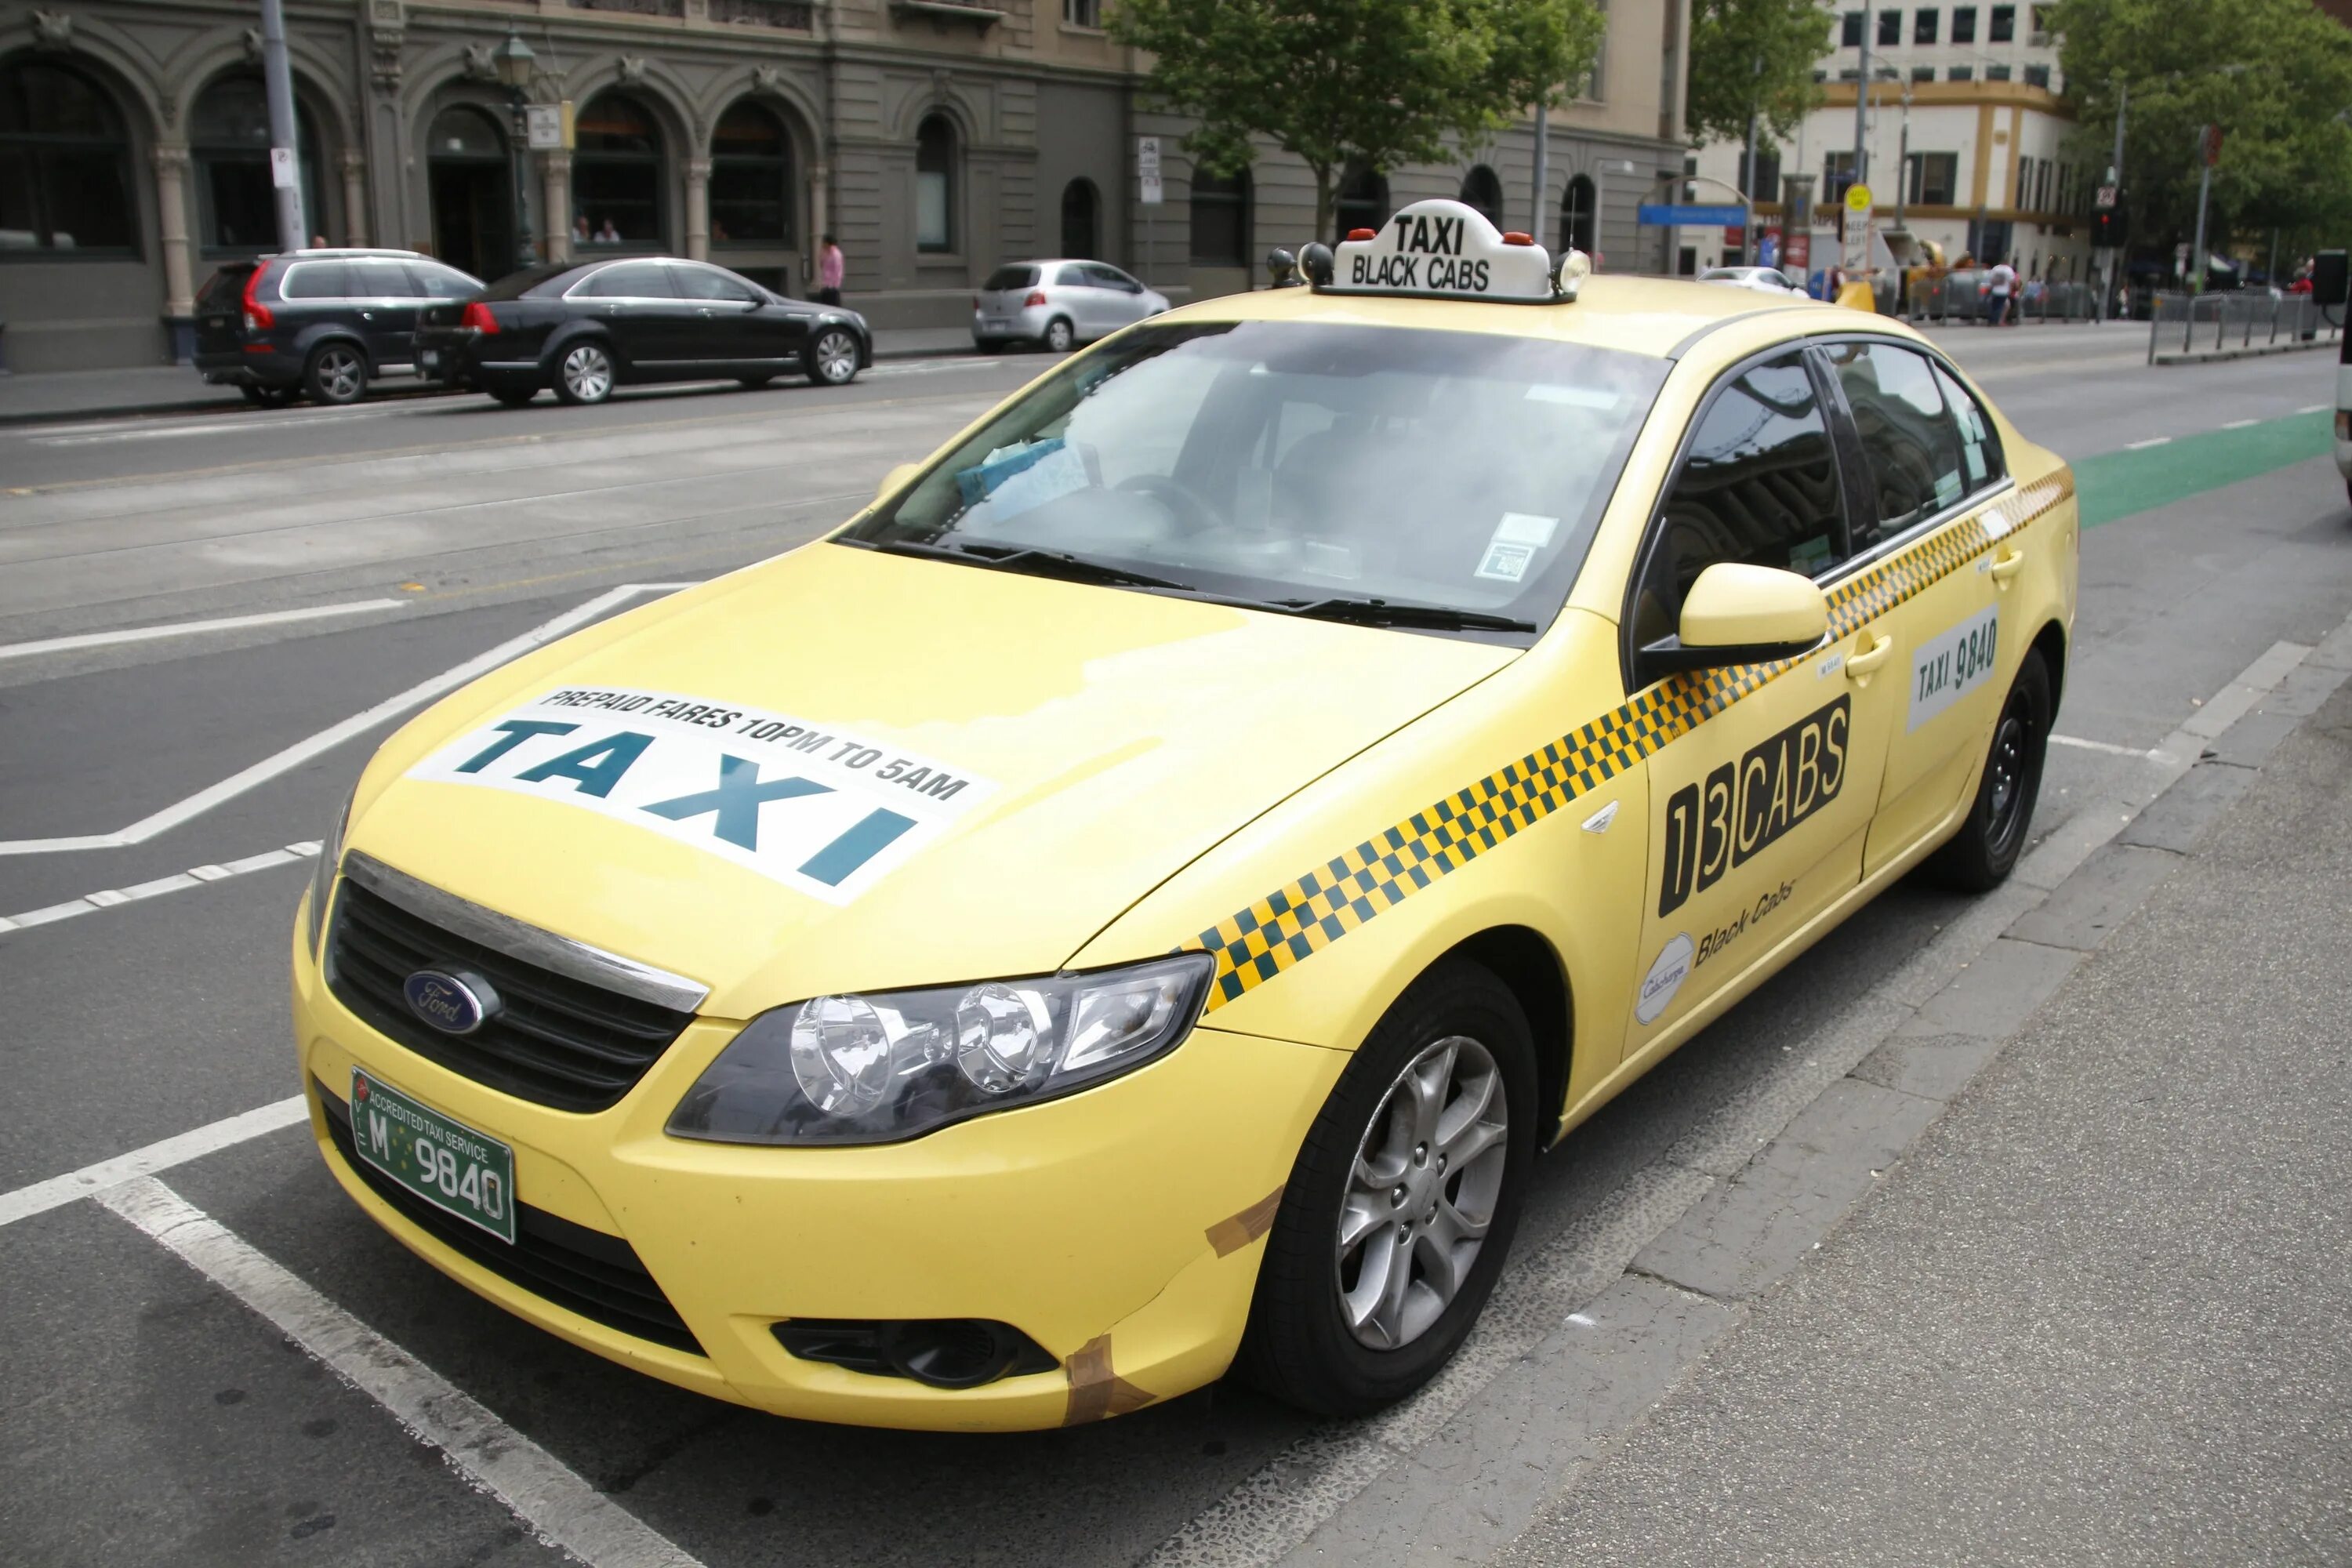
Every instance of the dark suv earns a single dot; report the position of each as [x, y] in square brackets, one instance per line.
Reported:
[320, 322]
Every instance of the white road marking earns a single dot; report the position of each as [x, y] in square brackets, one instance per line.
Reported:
[91, 1181]
[334, 735]
[2240, 424]
[2314, 408]
[101, 435]
[2144, 753]
[189, 629]
[2151, 441]
[179, 881]
[542, 1491]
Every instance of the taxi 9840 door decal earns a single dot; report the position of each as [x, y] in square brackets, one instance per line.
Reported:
[1308, 914]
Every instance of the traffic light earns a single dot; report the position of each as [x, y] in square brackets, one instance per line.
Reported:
[2108, 226]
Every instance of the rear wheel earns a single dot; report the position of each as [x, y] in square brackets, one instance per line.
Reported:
[832, 358]
[1060, 336]
[1400, 1210]
[585, 375]
[1982, 855]
[337, 373]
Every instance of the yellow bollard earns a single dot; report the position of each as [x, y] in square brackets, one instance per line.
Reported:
[1857, 295]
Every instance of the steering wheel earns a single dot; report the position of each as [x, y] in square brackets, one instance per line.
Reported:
[1193, 514]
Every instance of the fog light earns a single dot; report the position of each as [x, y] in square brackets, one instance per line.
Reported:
[945, 1353]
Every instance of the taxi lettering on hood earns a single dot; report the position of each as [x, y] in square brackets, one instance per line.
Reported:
[809, 806]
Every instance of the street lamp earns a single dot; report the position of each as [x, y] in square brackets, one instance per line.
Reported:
[517, 65]
[514, 60]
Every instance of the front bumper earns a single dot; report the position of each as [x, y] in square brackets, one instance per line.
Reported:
[1102, 1224]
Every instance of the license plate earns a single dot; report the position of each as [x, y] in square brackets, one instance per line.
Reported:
[997, 324]
[448, 1164]
[430, 359]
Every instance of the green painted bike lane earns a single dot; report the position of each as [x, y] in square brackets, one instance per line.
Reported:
[2115, 485]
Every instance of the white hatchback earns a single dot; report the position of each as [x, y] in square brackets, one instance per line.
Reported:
[1057, 304]
[1770, 279]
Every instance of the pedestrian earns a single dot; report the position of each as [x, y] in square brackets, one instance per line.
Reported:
[609, 234]
[2002, 280]
[830, 267]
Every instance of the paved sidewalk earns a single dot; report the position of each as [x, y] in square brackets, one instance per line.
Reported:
[33, 398]
[2099, 1312]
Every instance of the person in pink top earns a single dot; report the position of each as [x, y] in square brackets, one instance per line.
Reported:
[829, 268]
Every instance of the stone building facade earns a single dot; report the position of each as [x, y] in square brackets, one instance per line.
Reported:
[935, 138]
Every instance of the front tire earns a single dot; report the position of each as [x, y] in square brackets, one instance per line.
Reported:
[1982, 855]
[1400, 1211]
[1060, 336]
[336, 374]
[832, 358]
[584, 376]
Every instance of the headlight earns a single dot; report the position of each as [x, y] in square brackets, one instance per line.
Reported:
[323, 870]
[878, 1068]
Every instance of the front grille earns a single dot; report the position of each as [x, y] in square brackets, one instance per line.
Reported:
[579, 1270]
[553, 1040]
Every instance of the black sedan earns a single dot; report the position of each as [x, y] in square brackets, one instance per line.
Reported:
[584, 327]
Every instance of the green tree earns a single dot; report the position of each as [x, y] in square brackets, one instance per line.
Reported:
[1753, 57]
[1340, 82]
[2273, 74]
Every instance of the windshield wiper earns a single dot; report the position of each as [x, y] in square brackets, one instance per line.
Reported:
[1034, 562]
[1392, 612]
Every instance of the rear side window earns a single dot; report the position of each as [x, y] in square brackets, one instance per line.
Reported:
[630, 280]
[1112, 278]
[1924, 452]
[384, 280]
[318, 280]
[1006, 277]
[1758, 485]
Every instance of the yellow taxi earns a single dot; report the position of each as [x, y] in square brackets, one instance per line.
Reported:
[1133, 902]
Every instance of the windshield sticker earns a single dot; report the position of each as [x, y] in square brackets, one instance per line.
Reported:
[1505, 562]
[809, 806]
[1947, 667]
[1573, 397]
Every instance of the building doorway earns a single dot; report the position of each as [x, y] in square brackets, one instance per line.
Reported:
[471, 178]
[1078, 227]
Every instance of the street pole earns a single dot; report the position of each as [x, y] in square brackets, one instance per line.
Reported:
[285, 145]
[1861, 103]
[1903, 173]
[1540, 197]
[2204, 186]
[2115, 178]
[1747, 178]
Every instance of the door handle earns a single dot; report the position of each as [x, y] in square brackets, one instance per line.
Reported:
[2007, 566]
[367, 315]
[1860, 666]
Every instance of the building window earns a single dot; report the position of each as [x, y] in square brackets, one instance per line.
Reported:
[1922, 73]
[1079, 236]
[1849, 74]
[1578, 211]
[1221, 219]
[1964, 25]
[1996, 73]
[1851, 36]
[1932, 177]
[1765, 186]
[228, 142]
[616, 175]
[935, 172]
[2004, 25]
[1837, 173]
[2041, 16]
[1820, 77]
[1923, 25]
[1890, 29]
[2037, 76]
[65, 165]
[751, 196]
[1082, 13]
[1961, 73]
[1363, 200]
[2042, 187]
[1483, 188]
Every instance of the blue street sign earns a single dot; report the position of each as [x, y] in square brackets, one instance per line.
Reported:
[1660, 214]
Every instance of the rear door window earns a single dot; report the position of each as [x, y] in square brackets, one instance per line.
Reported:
[629, 280]
[384, 280]
[710, 283]
[318, 281]
[1112, 278]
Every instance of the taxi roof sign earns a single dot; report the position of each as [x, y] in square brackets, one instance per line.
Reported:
[1441, 249]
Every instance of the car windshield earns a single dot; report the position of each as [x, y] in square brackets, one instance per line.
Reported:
[1305, 466]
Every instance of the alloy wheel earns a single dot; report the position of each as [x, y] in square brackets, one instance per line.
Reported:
[338, 374]
[1423, 1193]
[587, 374]
[835, 356]
[1059, 337]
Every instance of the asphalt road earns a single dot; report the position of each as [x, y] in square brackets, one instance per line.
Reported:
[150, 1417]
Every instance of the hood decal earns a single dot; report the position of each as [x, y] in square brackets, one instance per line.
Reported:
[815, 808]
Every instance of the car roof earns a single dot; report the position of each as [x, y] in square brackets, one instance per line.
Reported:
[346, 251]
[1064, 262]
[1634, 314]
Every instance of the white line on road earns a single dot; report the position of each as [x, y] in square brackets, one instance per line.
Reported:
[189, 629]
[2144, 753]
[334, 735]
[179, 881]
[2240, 424]
[91, 1181]
[542, 1491]
[2313, 408]
[103, 436]
[2151, 441]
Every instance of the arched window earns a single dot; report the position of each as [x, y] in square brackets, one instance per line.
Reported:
[471, 183]
[65, 165]
[1080, 238]
[1576, 216]
[935, 183]
[616, 175]
[1221, 219]
[1363, 199]
[228, 138]
[752, 200]
[1481, 188]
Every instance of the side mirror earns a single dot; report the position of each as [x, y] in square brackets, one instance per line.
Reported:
[896, 477]
[1737, 613]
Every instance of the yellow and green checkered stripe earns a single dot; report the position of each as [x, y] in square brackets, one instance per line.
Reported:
[1312, 912]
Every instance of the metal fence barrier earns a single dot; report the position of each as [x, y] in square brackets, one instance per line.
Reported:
[1967, 297]
[2235, 321]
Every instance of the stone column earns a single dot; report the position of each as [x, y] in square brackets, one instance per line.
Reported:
[172, 215]
[820, 214]
[555, 209]
[355, 223]
[698, 208]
